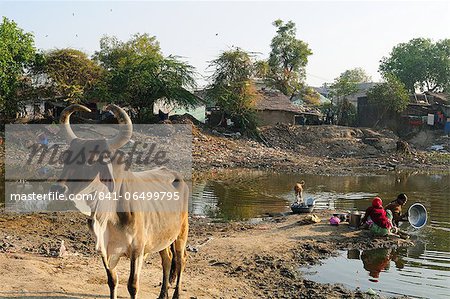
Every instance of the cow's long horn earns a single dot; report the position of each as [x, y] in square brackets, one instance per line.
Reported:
[125, 127]
[65, 119]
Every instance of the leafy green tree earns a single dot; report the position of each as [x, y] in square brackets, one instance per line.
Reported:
[17, 53]
[346, 113]
[420, 63]
[288, 59]
[233, 89]
[138, 75]
[347, 83]
[310, 96]
[391, 95]
[261, 69]
[68, 74]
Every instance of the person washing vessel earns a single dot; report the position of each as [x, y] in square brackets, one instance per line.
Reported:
[396, 209]
[377, 219]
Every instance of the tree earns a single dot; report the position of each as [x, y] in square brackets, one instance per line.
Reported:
[68, 74]
[420, 63]
[261, 69]
[138, 75]
[344, 86]
[346, 113]
[310, 96]
[288, 59]
[233, 89]
[391, 95]
[17, 53]
[347, 83]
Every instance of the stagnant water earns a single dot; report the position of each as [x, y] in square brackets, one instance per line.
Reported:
[422, 271]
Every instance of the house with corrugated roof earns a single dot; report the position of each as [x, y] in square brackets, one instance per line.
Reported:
[415, 115]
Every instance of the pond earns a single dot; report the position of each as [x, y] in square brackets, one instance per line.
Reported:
[422, 271]
[417, 272]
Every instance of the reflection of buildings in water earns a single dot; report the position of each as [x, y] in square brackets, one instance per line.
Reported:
[203, 200]
[401, 179]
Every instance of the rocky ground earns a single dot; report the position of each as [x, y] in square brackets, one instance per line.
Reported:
[226, 260]
[311, 149]
[317, 149]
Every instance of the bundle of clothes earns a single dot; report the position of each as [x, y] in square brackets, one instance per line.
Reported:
[384, 221]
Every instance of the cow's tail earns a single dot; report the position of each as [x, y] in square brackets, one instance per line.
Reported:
[173, 267]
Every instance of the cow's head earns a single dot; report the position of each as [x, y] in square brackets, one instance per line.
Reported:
[87, 161]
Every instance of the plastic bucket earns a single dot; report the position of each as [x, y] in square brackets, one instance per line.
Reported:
[417, 215]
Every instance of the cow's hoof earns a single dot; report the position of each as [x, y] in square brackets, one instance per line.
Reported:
[163, 296]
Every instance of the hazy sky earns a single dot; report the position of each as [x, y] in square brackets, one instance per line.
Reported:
[342, 35]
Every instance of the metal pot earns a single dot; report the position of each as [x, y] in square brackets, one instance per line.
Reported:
[355, 219]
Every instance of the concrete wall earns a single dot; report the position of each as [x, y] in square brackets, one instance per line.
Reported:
[272, 117]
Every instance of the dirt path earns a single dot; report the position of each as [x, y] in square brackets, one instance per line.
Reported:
[234, 260]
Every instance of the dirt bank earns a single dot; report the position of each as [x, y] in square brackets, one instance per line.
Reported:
[316, 149]
[322, 149]
[226, 260]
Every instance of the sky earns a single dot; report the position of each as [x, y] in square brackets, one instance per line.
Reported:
[341, 35]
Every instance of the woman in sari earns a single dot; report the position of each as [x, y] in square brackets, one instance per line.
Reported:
[377, 218]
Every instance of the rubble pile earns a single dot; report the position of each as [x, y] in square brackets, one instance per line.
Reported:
[217, 150]
[331, 141]
[311, 149]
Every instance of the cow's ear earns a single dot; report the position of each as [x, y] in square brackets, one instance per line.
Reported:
[107, 177]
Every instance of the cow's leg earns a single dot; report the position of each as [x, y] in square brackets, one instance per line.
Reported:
[137, 259]
[166, 260]
[180, 256]
[110, 264]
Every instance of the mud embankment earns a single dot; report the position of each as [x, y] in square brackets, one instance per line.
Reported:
[316, 149]
[226, 260]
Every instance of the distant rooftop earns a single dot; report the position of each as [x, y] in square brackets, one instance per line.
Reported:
[277, 101]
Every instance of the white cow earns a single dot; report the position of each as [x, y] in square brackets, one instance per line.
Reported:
[131, 228]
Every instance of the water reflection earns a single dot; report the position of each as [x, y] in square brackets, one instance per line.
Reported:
[377, 260]
[259, 192]
[389, 271]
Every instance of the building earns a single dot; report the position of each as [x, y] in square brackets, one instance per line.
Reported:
[273, 107]
[415, 114]
[362, 91]
[198, 111]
